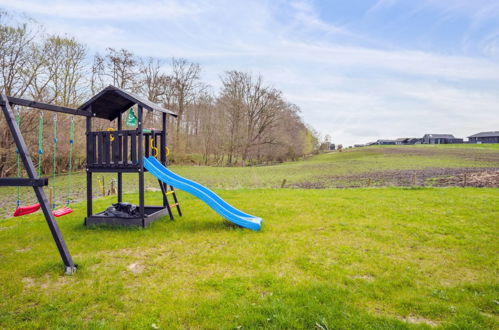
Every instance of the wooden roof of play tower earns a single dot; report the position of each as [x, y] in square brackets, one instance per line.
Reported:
[112, 101]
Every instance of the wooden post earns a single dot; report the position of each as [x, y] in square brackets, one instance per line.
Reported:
[140, 157]
[90, 154]
[103, 185]
[162, 155]
[120, 146]
[40, 194]
[162, 152]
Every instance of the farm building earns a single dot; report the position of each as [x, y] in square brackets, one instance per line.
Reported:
[440, 139]
[385, 142]
[484, 137]
[407, 141]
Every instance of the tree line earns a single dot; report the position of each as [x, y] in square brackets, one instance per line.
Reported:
[245, 122]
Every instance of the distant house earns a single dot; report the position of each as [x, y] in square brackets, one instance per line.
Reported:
[414, 141]
[485, 137]
[406, 141]
[385, 142]
[440, 139]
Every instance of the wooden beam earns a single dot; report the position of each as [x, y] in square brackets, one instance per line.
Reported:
[24, 182]
[40, 194]
[46, 106]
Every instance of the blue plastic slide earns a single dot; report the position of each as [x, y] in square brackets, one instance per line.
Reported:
[206, 195]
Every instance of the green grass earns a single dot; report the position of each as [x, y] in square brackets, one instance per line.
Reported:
[351, 258]
[325, 170]
[379, 258]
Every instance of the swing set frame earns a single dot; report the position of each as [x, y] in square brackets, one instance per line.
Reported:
[107, 151]
[6, 103]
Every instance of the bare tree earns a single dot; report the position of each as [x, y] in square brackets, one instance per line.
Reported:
[263, 106]
[65, 58]
[248, 121]
[16, 74]
[234, 86]
[153, 80]
[97, 81]
[121, 67]
[185, 81]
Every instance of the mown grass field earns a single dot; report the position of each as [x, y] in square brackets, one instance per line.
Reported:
[372, 166]
[380, 258]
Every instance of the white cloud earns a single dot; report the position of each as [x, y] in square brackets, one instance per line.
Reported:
[351, 90]
[113, 10]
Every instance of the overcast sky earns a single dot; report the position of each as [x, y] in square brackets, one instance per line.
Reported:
[360, 70]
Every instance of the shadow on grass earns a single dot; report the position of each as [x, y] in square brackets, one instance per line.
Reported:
[196, 226]
[178, 225]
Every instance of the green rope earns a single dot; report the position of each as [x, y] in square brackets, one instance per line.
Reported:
[71, 140]
[54, 163]
[18, 160]
[40, 144]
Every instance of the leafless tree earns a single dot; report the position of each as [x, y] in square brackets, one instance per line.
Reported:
[65, 61]
[121, 67]
[97, 81]
[185, 79]
[231, 99]
[16, 53]
[247, 122]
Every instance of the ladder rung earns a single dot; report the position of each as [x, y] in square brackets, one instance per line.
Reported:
[170, 192]
[174, 204]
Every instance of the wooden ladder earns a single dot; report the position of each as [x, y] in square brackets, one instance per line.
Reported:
[167, 190]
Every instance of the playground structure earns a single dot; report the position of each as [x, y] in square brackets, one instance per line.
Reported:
[115, 150]
[23, 210]
[118, 150]
[34, 179]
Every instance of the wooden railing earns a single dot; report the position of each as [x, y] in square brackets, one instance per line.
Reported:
[119, 149]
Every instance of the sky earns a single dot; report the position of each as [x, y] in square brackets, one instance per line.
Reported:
[359, 70]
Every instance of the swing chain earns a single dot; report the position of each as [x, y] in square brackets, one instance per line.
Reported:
[70, 167]
[54, 163]
[40, 144]
[18, 157]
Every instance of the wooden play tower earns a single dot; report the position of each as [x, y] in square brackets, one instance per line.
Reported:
[118, 150]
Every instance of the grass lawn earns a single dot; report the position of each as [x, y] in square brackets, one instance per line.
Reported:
[330, 258]
[352, 167]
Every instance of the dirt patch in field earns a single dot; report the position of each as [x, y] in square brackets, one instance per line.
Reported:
[479, 155]
[473, 179]
[28, 282]
[419, 320]
[437, 177]
[136, 268]
[367, 278]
